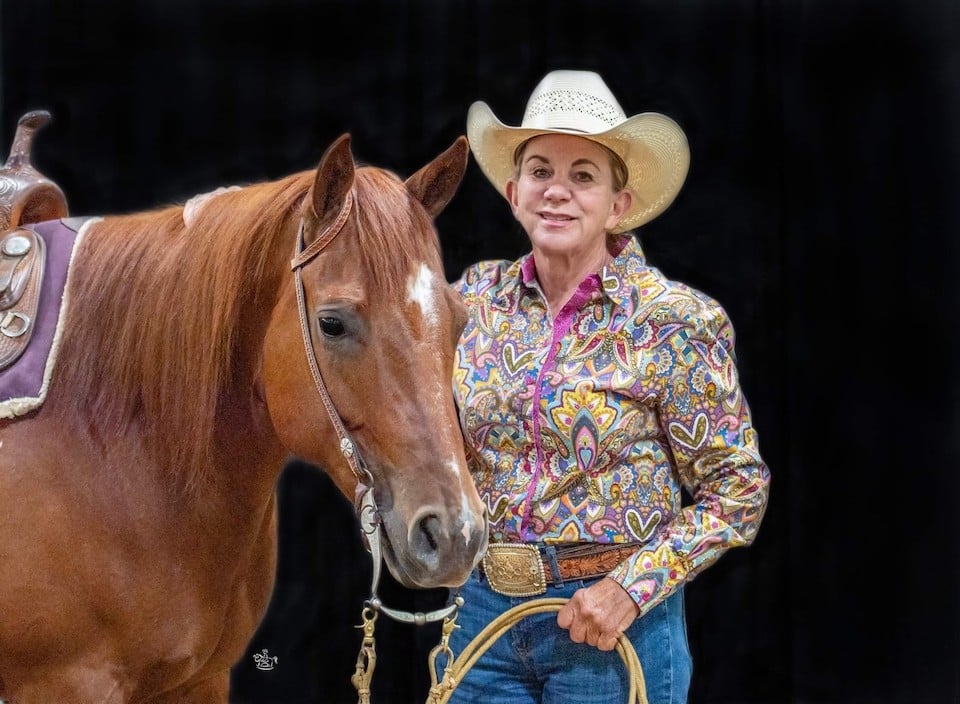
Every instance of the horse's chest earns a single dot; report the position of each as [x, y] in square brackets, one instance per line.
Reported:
[207, 622]
[193, 635]
[155, 620]
[131, 583]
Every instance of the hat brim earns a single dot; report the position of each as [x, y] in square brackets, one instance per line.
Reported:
[652, 146]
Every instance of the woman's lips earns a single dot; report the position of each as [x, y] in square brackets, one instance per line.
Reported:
[555, 217]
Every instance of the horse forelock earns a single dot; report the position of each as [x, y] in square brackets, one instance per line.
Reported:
[157, 311]
[395, 235]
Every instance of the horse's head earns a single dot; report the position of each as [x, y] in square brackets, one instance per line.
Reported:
[383, 324]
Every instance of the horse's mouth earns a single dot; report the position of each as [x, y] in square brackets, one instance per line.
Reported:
[394, 564]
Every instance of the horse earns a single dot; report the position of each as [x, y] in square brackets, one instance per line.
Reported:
[203, 344]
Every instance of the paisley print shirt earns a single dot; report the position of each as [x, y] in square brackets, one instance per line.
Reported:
[586, 426]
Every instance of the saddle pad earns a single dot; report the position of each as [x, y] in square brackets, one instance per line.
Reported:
[23, 386]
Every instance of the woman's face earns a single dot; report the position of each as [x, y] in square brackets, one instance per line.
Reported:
[563, 194]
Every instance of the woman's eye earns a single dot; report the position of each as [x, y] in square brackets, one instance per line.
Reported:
[331, 327]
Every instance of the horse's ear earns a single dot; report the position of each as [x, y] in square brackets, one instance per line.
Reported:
[333, 180]
[435, 184]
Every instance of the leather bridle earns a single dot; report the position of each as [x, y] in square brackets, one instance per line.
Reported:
[364, 500]
[348, 447]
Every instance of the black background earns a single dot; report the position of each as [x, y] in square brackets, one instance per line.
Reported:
[820, 209]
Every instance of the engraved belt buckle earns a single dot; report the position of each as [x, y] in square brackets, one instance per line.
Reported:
[514, 569]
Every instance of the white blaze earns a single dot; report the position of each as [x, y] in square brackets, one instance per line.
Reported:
[464, 507]
[420, 291]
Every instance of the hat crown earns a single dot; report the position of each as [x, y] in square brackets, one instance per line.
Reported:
[574, 101]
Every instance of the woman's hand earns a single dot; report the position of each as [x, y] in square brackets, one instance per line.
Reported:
[598, 614]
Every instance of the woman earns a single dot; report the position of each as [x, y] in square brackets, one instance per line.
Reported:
[592, 390]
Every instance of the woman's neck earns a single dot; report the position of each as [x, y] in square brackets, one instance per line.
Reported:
[560, 275]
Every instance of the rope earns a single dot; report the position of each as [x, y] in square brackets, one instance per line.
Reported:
[455, 671]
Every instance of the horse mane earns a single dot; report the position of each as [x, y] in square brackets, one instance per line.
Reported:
[157, 308]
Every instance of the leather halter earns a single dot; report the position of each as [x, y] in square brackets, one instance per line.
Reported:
[364, 500]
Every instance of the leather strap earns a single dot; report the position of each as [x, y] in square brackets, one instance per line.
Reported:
[588, 561]
[302, 257]
[579, 561]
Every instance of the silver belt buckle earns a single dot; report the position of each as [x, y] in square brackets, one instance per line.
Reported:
[514, 569]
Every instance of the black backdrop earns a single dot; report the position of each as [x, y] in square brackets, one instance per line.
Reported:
[820, 209]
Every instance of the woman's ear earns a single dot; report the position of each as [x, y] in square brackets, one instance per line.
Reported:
[512, 198]
[621, 204]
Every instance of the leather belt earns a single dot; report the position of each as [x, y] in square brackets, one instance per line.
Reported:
[525, 569]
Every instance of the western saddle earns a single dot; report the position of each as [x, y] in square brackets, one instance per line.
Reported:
[26, 197]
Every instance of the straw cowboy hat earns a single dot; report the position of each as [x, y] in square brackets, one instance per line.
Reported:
[652, 146]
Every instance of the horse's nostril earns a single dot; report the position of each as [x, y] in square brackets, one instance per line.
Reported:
[430, 528]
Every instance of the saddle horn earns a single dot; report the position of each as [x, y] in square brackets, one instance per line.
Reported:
[26, 195]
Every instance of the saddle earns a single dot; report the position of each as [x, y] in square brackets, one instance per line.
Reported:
[26, 195]
[22, 257]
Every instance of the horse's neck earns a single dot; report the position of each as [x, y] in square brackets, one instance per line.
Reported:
[242, 444]
[248, 455]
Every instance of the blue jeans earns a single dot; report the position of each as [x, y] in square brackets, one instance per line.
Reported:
[536, 662]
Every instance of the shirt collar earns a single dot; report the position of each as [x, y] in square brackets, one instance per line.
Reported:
[619, 274]
[614, 277]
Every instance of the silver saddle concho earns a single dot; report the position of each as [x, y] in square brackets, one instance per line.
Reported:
[22, 257]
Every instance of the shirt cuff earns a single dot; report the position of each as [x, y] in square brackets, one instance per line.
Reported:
[651, 575]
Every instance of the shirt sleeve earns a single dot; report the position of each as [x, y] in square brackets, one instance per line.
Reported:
[706, 422]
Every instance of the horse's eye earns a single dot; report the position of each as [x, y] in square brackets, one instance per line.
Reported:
[331, 327]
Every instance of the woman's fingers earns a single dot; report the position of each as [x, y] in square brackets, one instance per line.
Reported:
[598, 614]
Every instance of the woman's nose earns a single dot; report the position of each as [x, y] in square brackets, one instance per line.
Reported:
[556, 191]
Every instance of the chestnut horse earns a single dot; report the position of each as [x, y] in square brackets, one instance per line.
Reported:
[138, 526]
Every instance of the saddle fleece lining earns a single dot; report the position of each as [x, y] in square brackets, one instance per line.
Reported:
[23, 404]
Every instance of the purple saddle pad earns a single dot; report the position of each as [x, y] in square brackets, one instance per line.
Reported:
[23, 385]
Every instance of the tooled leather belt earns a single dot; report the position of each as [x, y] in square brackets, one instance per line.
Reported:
[525, 569]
